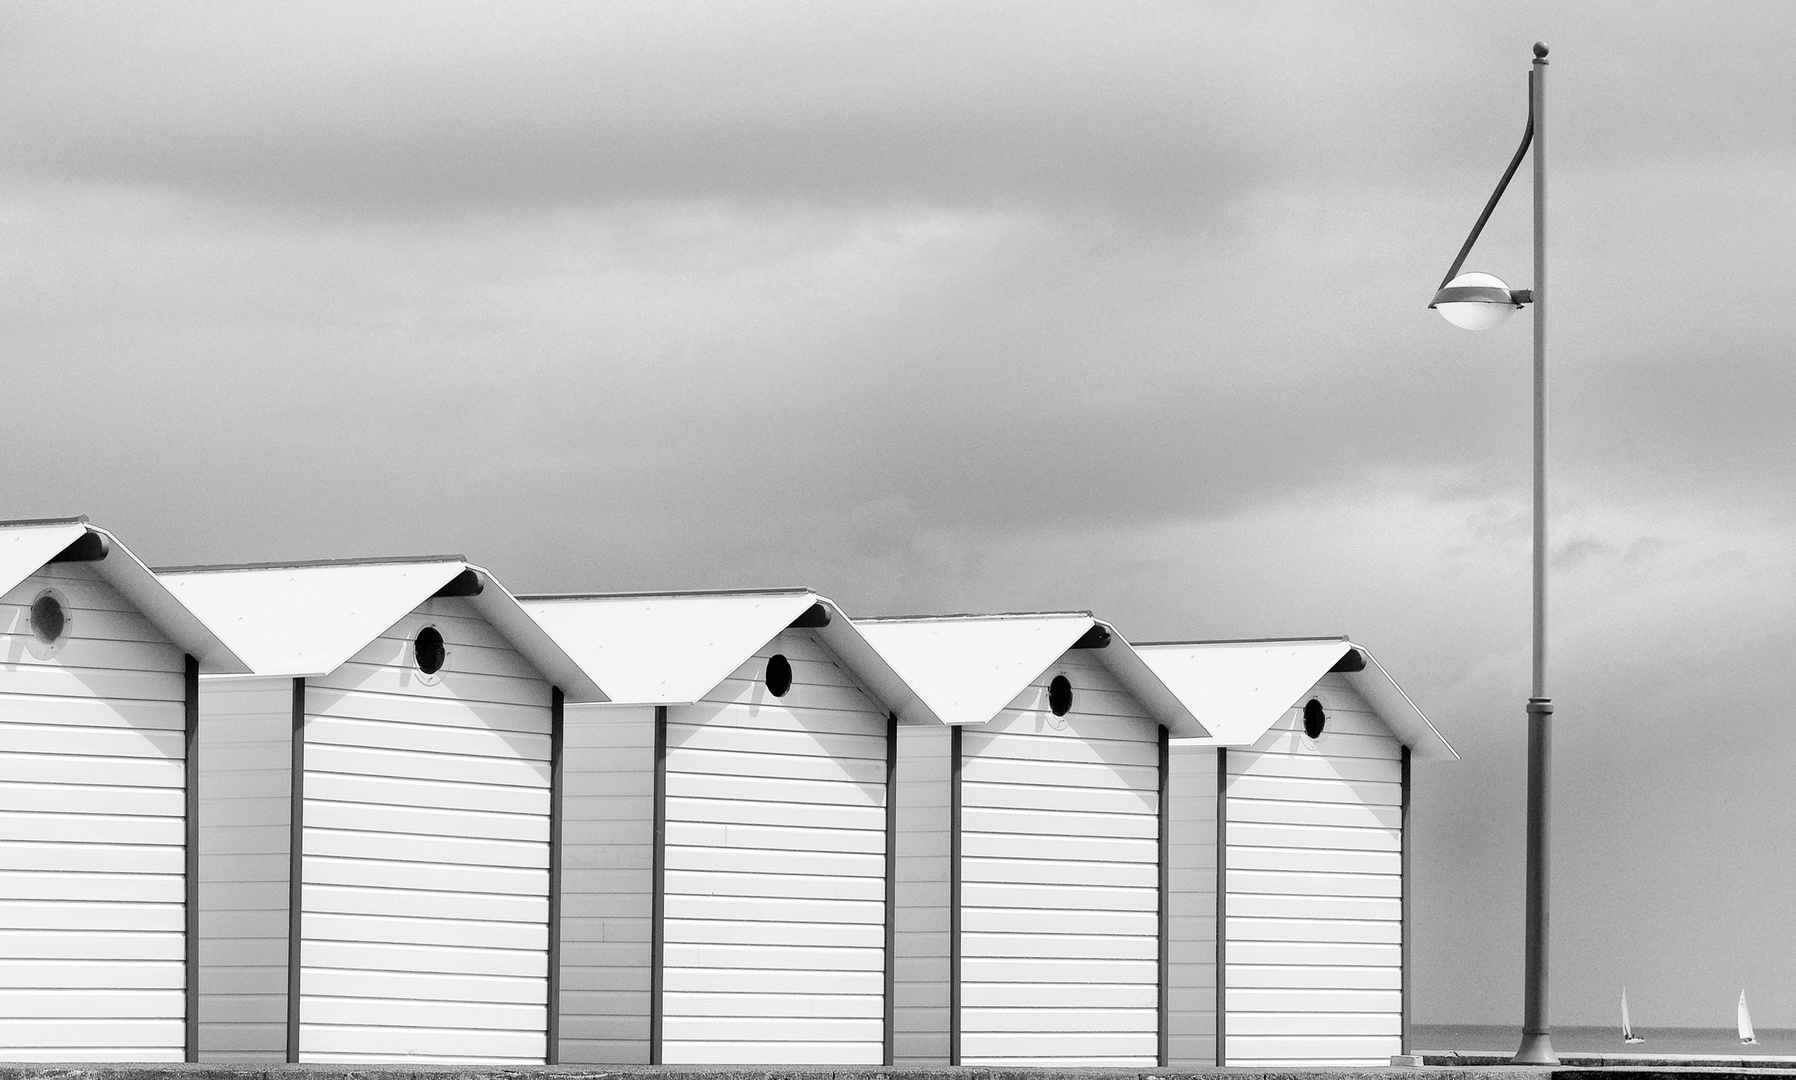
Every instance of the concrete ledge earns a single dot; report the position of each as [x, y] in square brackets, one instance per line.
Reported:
[26, 1071]
[1453, 1066]
[1751, 1062]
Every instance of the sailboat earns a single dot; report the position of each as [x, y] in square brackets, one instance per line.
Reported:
[1745, 1018]
[1627, 1029]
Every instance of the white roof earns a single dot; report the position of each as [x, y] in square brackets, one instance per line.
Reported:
[1239, 689]
[25, 546]
[307, 619]
[673, 648]
[969, 668]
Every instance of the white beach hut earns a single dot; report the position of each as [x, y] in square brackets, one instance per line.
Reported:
[1033, 834]
[379, 818]
[729, 831]
[98, 700]
[1291, 849]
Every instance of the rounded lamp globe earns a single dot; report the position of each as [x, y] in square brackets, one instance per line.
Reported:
[1474, 301]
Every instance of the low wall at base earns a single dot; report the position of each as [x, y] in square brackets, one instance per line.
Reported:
[1438, 1067]
[20, 1071]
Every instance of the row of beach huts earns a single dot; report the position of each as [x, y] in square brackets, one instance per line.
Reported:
[385, 810]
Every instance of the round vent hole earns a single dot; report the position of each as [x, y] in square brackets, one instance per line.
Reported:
[1060, 695]
[48, 619]
[430, 652]
[779, 674]
[1314, 719]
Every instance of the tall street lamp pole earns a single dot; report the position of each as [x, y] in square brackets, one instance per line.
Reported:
[1477, 302]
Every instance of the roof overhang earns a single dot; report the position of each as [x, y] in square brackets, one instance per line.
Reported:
[499, 607]
[967, 669]
[1239, 689]
[26, 546]
[674, 648]
[305, 620]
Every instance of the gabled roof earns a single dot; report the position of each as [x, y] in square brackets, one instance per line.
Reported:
[1239, 689]
[307, 619]
[25, 546]
[673, 648]
[969, 668]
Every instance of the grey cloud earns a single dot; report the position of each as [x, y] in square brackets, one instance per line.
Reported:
[1154, 108]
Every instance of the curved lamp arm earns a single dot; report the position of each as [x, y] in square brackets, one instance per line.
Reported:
[1503, 184]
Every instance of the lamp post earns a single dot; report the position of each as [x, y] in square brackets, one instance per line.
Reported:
[1477, 302]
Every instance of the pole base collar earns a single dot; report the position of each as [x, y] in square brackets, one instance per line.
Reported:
[1537, 1049]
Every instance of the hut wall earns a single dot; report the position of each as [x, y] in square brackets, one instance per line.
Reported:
[920, 990]
[246, 754]
[426, 833]
[775, 868]
[1315, 890]
[1060, 878]
[1192, 1016]
[608, 836]
[92, 831]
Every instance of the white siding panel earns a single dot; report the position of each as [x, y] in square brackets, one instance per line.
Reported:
[92, 831]
[1312, 1049]
[777, 886]
[1006, 895]
[828, 981]
[1060, 817]
[608, 762]
[246, 751]
[1191, 1032]
[776, 808]
[920, 990]
[693, 1006]
[424, 906]
[1315, 886]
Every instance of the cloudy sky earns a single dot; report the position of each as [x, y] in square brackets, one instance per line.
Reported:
[994, 306]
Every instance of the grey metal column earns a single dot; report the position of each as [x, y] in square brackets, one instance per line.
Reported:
[1537, 1042]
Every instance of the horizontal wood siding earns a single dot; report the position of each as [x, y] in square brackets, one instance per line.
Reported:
[920, 991]
[775, 899]
[246, 749]
[1193, 900]
[1060, 878]
[1315, 885]
[606, 905]
[92, 831]
[426, 852]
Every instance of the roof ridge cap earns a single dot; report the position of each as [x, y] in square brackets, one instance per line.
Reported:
[304, 564]
[802, 590]
[971, 616]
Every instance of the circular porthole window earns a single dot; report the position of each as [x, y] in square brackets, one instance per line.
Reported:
[430, 653]
[1060, 695]
[50, 622]
[779, 675]
[1314, 719]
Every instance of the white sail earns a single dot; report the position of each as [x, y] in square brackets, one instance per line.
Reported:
[1745, 1018]
[1627, 1029]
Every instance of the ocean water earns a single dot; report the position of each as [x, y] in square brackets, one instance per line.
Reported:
[1779, 1042]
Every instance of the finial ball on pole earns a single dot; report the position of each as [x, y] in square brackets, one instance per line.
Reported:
[1540, 49]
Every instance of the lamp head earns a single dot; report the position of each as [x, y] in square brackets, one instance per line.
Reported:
[1477, 301]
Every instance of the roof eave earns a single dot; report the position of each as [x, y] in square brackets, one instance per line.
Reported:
[499, 607]
[845, 640]
[1123, 662]
[1399, 713]
[127, 573]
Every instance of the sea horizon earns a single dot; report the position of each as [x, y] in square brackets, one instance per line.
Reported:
[1723, 1041]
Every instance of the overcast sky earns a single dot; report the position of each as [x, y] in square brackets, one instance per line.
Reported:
[994, 306]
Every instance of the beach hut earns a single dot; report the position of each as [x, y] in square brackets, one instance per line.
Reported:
[379, 814]
[729, 831]
[1033, 832]
[1291, 848]
[98, 909]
